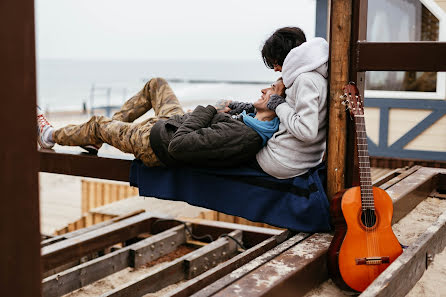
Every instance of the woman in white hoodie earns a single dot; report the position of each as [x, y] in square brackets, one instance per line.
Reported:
[299, 144]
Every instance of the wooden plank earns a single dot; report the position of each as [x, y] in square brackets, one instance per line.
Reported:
[400, 277]
[398, 56]
[91, 271]
[88, 229]
[399, 177]
[86, 165]
[292, 273]
[211, 255]
[386, 177]
[211, 276]
[20, 271]
[252, 235]
[71, 249]
[172, 273]
[340, 33]
[156, 246]
[236, 272]
[413, 189]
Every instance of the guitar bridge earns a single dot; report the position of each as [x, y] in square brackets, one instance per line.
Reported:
[372, 260]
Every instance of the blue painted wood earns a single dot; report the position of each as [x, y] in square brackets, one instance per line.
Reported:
[396, 150]
[405, 103]
[321, 18]
[383, 127]
[409, 154]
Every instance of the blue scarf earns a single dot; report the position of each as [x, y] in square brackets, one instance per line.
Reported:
[265, 129]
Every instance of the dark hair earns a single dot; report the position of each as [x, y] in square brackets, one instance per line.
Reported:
[278, 45]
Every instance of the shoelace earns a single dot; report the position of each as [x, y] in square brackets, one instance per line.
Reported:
[42, 121]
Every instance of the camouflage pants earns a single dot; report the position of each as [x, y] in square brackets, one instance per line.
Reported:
[119, 131]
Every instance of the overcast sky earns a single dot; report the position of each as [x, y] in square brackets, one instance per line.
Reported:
[164, 29]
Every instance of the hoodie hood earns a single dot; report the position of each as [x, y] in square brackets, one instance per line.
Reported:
[309, 56]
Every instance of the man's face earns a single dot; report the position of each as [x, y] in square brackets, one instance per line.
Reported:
[276, 88]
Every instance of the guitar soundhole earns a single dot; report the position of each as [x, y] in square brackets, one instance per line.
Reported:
[368, 218]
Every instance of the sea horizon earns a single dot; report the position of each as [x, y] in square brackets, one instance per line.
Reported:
[65, 85]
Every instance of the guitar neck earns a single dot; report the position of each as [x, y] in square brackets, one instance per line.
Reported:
[365, 175]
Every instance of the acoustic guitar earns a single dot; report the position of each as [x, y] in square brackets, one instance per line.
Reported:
[364, 243]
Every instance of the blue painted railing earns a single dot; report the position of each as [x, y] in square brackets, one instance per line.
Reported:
[396, 150]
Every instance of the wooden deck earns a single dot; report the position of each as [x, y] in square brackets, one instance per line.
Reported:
[276, 263]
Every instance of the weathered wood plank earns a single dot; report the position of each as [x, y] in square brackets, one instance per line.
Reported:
[409, 192]
[252, 235]
[292, 273]
[88, 229]
[91, 271]
[399, 177]
[211, 255]
[172, 273]
[237, 273]
[74, 248]
[156, 246]
[399, 278]
[211, 276]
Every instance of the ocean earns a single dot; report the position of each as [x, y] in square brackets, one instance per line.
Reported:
[65, 85]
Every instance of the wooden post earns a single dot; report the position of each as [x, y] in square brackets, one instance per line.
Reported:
[340, 34]
[20, 273]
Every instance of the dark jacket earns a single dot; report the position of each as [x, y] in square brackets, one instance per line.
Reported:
[204, 138]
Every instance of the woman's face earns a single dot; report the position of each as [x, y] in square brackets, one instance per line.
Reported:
[277, 68]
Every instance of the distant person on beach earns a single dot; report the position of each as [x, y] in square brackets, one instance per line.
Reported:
[299, 144]
[204, 137]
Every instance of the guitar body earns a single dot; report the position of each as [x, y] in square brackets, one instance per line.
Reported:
[366, 244]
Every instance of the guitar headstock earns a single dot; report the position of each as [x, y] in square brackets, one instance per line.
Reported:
[353, 100]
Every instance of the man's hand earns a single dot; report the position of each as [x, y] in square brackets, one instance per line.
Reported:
[222, 105]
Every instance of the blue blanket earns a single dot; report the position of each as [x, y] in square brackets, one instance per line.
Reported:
[298, 203]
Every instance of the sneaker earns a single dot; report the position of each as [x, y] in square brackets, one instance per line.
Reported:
[42, 130]
[91, 148]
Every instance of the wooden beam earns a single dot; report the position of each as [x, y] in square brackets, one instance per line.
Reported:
[234, 274]
[252, 235]
[385, 183]
[400, 277]
[179, 269]
[146, 250]
[401, 56]
[340, 32]
[88, 229]
[292, 273]
[156, 246]
[74, 248]
[20, 273]
[87, 165]
[413, 189]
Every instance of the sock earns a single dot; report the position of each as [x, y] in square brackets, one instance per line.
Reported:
[48, 135]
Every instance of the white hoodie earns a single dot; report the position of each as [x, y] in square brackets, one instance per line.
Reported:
[299, 144]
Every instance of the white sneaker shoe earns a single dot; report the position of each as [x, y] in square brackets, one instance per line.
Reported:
[43, 128]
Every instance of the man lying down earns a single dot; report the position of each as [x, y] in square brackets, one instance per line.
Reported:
[206, 137]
